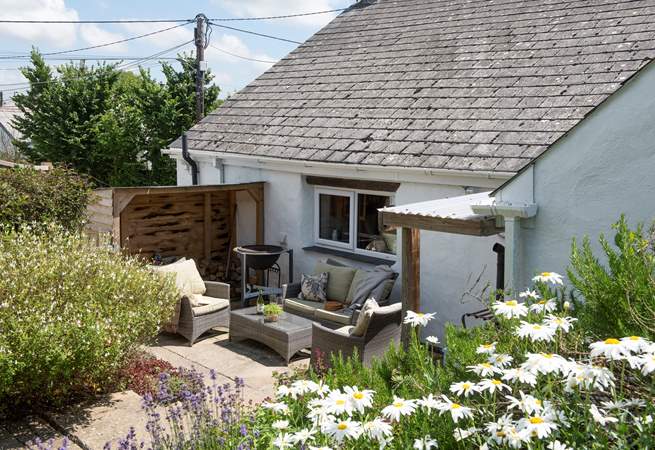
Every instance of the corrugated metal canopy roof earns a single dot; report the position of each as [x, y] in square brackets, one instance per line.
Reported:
[449, 215]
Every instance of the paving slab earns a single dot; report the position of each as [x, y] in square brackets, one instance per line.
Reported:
[17, 434]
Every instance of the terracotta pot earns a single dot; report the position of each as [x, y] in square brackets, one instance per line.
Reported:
[271, 318]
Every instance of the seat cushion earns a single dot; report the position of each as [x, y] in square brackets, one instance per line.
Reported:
[339, 280]
[343, 316]
[187, 278]
[208, 305]
[364, 319]
[302, 307]
[345, 331]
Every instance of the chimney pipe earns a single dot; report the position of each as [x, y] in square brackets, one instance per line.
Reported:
[190, 161]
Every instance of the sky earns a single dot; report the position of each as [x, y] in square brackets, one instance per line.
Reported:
[232, 73]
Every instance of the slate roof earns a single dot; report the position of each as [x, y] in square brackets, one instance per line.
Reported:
[480, 85]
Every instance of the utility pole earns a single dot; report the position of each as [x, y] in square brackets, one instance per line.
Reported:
[201, 64]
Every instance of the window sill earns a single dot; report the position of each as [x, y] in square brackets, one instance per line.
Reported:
[350, 255]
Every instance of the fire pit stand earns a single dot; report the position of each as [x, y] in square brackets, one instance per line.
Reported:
[263, 258]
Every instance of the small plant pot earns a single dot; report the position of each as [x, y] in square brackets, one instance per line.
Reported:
[271, 318]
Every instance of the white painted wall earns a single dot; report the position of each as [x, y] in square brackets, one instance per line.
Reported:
[602, 168]
[450, 264]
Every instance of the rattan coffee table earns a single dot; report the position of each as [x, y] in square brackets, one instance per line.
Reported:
[287, 336]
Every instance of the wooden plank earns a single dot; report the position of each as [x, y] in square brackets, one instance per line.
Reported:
[260, 218]
[411, 274]
[155, 190]
[208, 227]
[367, 185]
[121, 200]
[478, 227]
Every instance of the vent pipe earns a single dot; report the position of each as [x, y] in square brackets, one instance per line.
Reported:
[190, 161]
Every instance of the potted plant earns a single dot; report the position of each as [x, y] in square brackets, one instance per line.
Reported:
[272, 312]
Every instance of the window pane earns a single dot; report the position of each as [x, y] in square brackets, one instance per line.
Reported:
[369, 234]
[334, 218]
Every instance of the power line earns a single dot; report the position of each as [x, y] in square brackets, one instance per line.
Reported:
[88, 58]
[242, 57]
[277, 38]
[100, 45]
[286, 16]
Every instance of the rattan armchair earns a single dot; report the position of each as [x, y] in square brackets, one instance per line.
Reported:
[196, 320]
[383, 329]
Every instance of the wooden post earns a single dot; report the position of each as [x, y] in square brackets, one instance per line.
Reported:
[207, 220]
[411, 274]
[258, 196]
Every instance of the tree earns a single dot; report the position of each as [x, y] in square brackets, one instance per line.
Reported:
[106, 123]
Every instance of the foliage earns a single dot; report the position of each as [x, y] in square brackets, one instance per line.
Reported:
[30, 196]
[108, 124]
[272, 309]
[619, 290]
[71, 314]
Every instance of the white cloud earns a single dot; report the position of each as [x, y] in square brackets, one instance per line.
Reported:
[94, 35]
[56, 35]
[259, 8]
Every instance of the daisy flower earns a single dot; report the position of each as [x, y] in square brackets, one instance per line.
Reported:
[486, 348]
[610, 348]
[278, 407]
[302, 387]
[498, 429]
[465, 388]
[500, 359]
[536, 332]
[303, 436]
[377, 429]
[359, 399]
[425, 443]
[521, 375]
[399, 407]
[415, 319]
[284, 391]
[544, 363]
[456, 410]
[338, 403]
[529, 294]
[528, 404]
[485, 369]
[510, 309]
[343, 429]
[283, 441]
[432, 340]
[542, 306]
[635, 344]
[429, 402]
[280, 424]
[549, 277]
[600, 416]
[647, 363]
[464, 433]
[560, 323]
[538, 425]
[557, 445]
[491, 385]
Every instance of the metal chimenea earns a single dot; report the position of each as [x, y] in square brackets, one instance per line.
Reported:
[262, 258]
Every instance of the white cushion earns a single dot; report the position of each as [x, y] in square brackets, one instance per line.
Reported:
[345, 331]
[365, 317]
[208, 305]
[187, 277]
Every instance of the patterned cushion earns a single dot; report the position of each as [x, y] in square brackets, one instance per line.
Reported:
[344, 316]
[313, 287]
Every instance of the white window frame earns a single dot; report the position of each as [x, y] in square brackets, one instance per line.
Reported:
[351, 246]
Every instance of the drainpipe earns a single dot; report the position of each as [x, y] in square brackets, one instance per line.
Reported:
[512, 213]
[190, 161]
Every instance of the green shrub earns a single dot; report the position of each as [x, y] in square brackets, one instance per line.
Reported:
[619, 293]
[31, 196]
[70, 314]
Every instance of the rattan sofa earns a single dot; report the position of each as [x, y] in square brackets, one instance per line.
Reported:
[213, 311]
[383, 329]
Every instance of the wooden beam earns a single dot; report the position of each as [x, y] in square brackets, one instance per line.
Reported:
[411, 274]
[207, 221]
[368, 185]
[260, 217]
[483, 226]
[121, 200]
[188, 189]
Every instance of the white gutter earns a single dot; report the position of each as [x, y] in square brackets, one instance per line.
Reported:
[512, 214]
[447, 176]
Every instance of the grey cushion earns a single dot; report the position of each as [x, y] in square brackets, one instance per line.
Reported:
[339, 280]
[364, 318]
[302, 307]
[344, 331]
[343, 316]
[364, 283]
[314, 287]
[208, 305]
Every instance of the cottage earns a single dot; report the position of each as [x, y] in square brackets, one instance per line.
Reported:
[400, 102]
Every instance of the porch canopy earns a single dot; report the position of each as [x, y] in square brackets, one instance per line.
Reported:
[448, 215]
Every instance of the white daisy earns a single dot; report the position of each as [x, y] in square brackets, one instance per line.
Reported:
[415, 319]
[529, 294]
[486, 348]
[543, 305]
[610, 348]
[485, 369]
[560, 323]
[492, 385]
[338, 403]
[399, 407]
[647, 363]
[429, 402]
[538, 425]
[498, 430]
[510, 309]
[536, 332]
[465, 388]
[280, 424]
[360, 399]
[425, 443]
[278, 407]
[635, 344]
[302, 387]
[284, 391]
[283, 441]
[544, 363]
[303, 436]
[527, 403]
[432, 340]
[521, 375]
[600, 416]
[457, 411]
[549, 277]
[501, 360]
[557, 445]
[343, 429]
[464, 433]
[377, 429]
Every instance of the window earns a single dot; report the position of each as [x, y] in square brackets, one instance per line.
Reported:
[349, 220]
